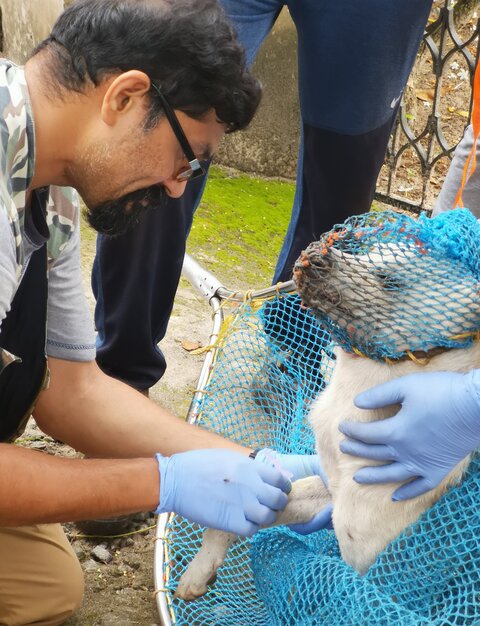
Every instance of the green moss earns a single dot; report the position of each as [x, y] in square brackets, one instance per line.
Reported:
[239, 227]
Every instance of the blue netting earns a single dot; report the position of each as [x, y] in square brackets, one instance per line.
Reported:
[385, 283]
[273, 360]
[429, 575]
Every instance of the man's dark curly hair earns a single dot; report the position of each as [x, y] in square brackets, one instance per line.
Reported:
[187, 47]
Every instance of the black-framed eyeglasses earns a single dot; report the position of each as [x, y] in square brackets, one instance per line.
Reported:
[194, 168]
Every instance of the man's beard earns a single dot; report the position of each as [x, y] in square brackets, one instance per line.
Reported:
[119, 216]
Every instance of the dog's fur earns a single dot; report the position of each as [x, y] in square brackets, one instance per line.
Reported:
[365, 518]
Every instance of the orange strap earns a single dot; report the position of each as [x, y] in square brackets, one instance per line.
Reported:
[472, 157]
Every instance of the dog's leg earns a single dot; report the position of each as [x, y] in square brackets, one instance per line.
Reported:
[202, 570]
[308, 497]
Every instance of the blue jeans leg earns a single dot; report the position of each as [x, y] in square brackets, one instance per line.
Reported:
[354, 61]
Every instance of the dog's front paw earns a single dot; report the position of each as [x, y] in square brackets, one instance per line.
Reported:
[202, 571]
[196, 579]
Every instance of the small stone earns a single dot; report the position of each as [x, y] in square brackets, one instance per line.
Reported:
[127, 568]
[126, 591]
[90, 565]
[80, 552]
[37, 445]
[100, 553]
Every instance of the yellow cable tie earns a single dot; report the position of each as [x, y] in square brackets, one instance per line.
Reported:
[475, 334]
[229, 299]
[225, 328]
[248, 296]
[358, 353]
[418, 361]
[163, 590]
[461, 336]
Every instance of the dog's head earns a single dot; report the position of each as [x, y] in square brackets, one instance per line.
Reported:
[385, 283]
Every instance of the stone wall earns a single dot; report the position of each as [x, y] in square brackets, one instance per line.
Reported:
[269, 147]
[25, 23]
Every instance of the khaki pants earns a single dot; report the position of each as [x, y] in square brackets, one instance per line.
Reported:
[41, 581]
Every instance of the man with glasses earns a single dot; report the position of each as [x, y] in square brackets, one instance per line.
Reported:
[194, 169]
[354, 61]
[105, 105]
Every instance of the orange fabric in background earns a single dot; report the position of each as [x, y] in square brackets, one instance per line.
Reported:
[472, 157]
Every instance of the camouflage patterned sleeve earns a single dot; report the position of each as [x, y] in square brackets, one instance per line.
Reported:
[70, 333]
[62, 218]
[8, 265]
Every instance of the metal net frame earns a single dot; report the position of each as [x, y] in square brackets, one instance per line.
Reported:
[271, 378]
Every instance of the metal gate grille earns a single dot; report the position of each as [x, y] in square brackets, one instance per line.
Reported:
[433, 114]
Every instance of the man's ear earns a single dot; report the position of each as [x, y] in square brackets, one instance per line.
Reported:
[123, 95]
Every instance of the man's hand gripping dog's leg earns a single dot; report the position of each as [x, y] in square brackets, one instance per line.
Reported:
[307, 498]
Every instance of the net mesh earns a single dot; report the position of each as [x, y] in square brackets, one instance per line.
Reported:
[271, 363]
[385, 284]
[273, 359]
[428, 575]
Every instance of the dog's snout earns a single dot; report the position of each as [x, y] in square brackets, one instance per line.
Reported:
[312, 264]
[313, 277]
[315, 257]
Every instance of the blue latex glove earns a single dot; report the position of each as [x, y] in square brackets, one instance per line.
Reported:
[222, 489]
[437, 426]
[321, 521]
[300, 466]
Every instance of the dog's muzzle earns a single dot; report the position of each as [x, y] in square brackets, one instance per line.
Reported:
[312, 276]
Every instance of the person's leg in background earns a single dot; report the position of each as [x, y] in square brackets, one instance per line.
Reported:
[354, 62]
[253, 20]
[135, 292]
[453, 180]
[41, 581]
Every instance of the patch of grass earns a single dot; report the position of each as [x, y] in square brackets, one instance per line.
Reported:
[239, 227]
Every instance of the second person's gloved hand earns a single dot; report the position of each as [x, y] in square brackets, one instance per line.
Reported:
[222, 489]
[437, 426]
[298, 465]
[301, 466]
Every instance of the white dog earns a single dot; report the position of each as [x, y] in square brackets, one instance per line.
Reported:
[366, 297]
